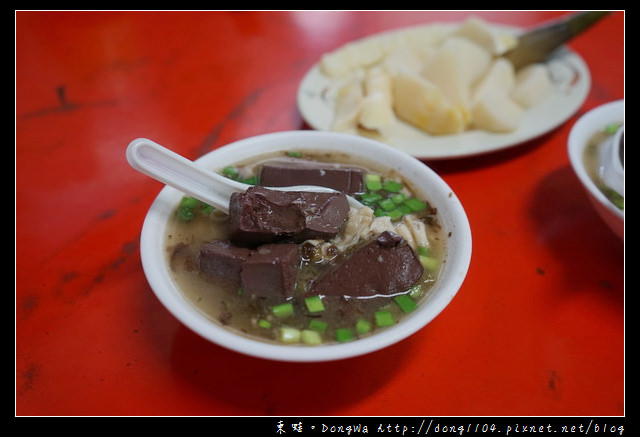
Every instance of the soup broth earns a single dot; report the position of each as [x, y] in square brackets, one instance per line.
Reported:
[593, 164]
[302, 319]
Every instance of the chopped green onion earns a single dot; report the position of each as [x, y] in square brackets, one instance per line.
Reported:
[186, 209]
[311, 337]
[387, 204]
[415, 291]
[263, 323]
[344, 334]
[287, 334]
[230, 172]
[386, 198]
[206, 209]
[253, 180]
[398, 198]
[424, 251]
[404, 209]
[283, 310]
[190, 206]
[392, 186]
[314, 304]
[395, 214]
[611, 128]
[415, 204]
[373, 182]
[189, 202]
[363, 326]
[185, 214]
[233, 173]
[318, 325]
[383, 318]
[405, 303]
[369, 198]
[294, 154]
[430, 263]
[616, 198]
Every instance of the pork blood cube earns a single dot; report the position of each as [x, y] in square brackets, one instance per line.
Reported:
[223, 260]
[290, 172]
[271, 270]
[383, 266]
[260, 215]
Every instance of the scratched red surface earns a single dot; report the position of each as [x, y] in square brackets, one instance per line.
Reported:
[537, 328]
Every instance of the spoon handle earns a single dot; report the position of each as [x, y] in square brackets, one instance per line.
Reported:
[178, 172]
[537, 44]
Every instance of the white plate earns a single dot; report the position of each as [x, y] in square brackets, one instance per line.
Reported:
[571, 84]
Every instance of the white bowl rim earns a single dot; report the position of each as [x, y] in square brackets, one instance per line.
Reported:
[583, 129]
[454, 269]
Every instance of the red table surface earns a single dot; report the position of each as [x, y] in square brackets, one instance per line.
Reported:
[537, 328]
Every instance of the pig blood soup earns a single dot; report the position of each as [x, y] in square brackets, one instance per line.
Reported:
[299, 319]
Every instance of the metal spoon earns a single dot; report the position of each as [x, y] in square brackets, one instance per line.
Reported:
[194, 180]
[537, 44]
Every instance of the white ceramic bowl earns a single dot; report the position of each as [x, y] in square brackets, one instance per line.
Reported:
[426, 182]
[587, 126]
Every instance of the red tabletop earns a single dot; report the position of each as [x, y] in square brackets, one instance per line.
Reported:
[537, 328]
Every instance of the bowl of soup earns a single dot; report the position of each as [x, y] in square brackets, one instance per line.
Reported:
[591, 136]
[305, 277]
